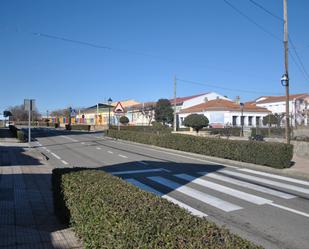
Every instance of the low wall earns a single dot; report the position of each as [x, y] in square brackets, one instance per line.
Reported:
[301, 149]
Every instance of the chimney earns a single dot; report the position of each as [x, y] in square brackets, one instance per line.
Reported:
[237, 100]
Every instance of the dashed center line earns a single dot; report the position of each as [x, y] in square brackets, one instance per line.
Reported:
[98, 148]
[82, 143]
[122, 156]
[55, 155]
[110, 152]
[64, 162]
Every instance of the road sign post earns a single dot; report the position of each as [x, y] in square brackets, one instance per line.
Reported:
[29, 105]
[119, 111]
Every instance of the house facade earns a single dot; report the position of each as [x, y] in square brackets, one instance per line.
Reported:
[223, 112]
[298, 106]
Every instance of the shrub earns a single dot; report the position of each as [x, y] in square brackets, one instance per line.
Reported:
[196, 121]
[277, 155]
[156, 127]
[274, 132]
[124, 120]
[107, 212]
[80, 127]
[229, 131]
[21, 136]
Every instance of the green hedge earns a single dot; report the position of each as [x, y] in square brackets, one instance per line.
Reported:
[274, 132]
[107, 212]
[19, 134]
[232, 131]
[277, 155]
[148, 129]
[78, 127]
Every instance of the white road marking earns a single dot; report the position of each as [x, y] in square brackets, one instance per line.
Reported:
[169, 198]
[64, 162]
[266, 181]
[122, 156]
[136, 171]
[55, 155]
[206, 198]
[290, 210]
[288, 179]
[226, 190]
[82, 143]
[98, 148]
[72, 139]
[110, 152]
[48, 150]
[248, 185]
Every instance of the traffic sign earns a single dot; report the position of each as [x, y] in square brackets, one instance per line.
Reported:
[119, 110]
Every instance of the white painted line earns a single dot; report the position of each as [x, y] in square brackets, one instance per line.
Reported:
[82, 143]
[290, 210]
[248, 185]
[136, 171]
[288, 179]
[206, 198]
[110, 152]
[122, 156]
[58, 157]
[169, 198]
[143, 162]
[226, 190]
[44, 148]
[39, 144]
[64, 162]
[74, 140]
[98, 137]
[98, 148]
[48, 150]
[266, 181]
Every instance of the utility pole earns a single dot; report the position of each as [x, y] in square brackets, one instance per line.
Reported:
[287, 112]
[175, 115]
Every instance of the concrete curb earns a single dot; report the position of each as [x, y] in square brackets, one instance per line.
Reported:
[231, 163]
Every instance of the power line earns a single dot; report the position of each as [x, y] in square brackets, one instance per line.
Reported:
[225, 88]
[266, 10]
[251, 20]
[304, 71]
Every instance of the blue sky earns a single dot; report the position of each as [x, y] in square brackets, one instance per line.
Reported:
[151, 41]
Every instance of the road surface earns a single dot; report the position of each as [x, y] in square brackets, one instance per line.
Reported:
[270, 210]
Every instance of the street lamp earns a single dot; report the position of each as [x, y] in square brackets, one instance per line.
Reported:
[109, 101]
[242, 119]
[285, 82]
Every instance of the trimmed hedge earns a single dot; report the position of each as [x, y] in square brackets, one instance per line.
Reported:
[107, 212]
[78, 127]
[232, 131]
[19, 134]
[277, 155]
[274, 132]
[148, 129]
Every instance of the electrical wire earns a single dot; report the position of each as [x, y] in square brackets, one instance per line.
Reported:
[266, 10]
[226, 88]
[252, 21]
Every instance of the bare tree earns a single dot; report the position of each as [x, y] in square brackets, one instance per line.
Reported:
[20, 114]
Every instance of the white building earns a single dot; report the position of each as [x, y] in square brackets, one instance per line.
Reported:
[298, 106]
[222, 112]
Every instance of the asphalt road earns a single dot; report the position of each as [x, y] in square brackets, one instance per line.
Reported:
[268, 209]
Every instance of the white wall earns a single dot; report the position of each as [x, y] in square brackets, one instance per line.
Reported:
[201, 99]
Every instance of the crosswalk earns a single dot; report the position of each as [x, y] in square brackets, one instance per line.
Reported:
[238, 185]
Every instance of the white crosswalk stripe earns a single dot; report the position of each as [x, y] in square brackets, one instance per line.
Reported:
[248, 185]
[288, 179]
[267, 181]
[201, 196]
[169, 198]
[226, 190]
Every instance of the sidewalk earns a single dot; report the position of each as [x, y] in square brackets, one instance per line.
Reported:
[27, 219]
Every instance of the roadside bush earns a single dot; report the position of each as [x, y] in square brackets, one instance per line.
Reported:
[19, 134]
[156, 127]
[107, 212]
[231, 131]
[277, 155]
[274, 132]
[80, 127]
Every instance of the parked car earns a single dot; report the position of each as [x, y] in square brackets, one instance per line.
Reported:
[256, 138]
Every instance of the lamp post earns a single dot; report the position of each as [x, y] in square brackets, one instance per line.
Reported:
[285, 83]
[242, 118]
[109, 101]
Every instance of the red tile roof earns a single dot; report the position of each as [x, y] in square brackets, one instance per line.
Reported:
[223, 105]
[271, 99]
